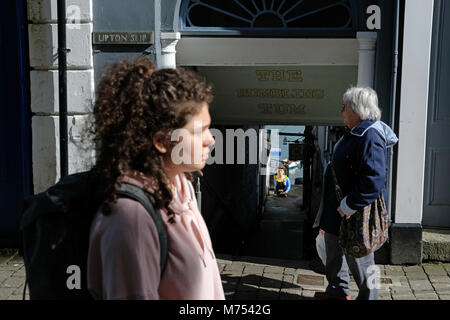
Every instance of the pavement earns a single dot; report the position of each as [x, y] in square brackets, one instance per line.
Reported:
[255, 278]
[12, 275]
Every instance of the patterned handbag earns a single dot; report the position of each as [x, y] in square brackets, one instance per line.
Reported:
[366, 230]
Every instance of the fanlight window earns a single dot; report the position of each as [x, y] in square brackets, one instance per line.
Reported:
[267, 14]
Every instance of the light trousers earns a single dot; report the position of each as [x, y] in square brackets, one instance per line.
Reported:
[337, 271]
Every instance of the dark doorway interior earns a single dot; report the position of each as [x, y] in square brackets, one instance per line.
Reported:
[15, 155]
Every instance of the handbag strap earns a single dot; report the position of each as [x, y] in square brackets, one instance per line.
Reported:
[337, 189]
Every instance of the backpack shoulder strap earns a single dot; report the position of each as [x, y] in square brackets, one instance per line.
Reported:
[146, 199]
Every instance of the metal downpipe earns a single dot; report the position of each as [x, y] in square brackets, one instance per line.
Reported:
[62, 73]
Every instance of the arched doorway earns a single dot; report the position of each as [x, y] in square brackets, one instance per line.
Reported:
[270, 62]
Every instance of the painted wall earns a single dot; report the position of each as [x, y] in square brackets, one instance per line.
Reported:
[43, 45]
[413, 111]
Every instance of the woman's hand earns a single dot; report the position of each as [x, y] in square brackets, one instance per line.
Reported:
[342, 213]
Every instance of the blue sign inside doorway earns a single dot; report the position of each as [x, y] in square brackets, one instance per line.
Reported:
[15, 124]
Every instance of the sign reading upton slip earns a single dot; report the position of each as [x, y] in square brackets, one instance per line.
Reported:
[133, 38]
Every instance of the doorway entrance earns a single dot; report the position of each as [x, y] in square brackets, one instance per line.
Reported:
[436, 208]
[15, 124]
[260, 82]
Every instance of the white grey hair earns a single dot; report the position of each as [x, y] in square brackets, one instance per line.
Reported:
[363, 101]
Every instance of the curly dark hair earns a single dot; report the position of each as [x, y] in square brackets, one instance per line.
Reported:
[135, 101]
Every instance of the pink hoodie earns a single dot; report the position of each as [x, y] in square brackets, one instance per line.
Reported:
[123, 261]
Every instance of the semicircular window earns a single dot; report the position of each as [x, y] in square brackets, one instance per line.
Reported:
[267, 14]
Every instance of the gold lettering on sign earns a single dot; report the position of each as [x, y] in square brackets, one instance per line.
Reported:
[263, 75]
[281, 108]
[279, 75]
[280, 93]
[295, 76]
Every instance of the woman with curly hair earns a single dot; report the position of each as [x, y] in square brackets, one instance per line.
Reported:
[137, 111]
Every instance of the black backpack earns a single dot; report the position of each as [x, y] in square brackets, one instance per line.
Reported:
[56, 225]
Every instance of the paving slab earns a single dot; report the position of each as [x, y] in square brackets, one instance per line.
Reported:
[254, 269]
[426, 296]
[10, 267]
[310, 293]
[264, 278]
[417, 276]
[297, 291]
[4, 275]
[392, 281]
[13, 282]
[273, 276]
[403, 297]
[224, 258]
[287, 280]
[435, 269]
[393, 268]
[5, 292]
[271, 269]
[446, 267]
[384, 297]
[394, 272]
[413, 269]
[421, 286]
[236, 268]
[221, 267]
[290, 271]
[442, 288]
[441, 285]
[401, 291]
[19, 291]
[439, 279]
[311, 282]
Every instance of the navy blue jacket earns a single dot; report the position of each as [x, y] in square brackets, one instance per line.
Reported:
[360, 162]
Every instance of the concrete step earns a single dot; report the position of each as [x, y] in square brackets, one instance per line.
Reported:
[436, 245]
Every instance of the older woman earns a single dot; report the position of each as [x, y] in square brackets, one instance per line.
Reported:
[360, 162]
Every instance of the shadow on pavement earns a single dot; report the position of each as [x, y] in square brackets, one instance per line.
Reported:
[258, 287]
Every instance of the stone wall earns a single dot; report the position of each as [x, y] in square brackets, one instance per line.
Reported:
[43, 46]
